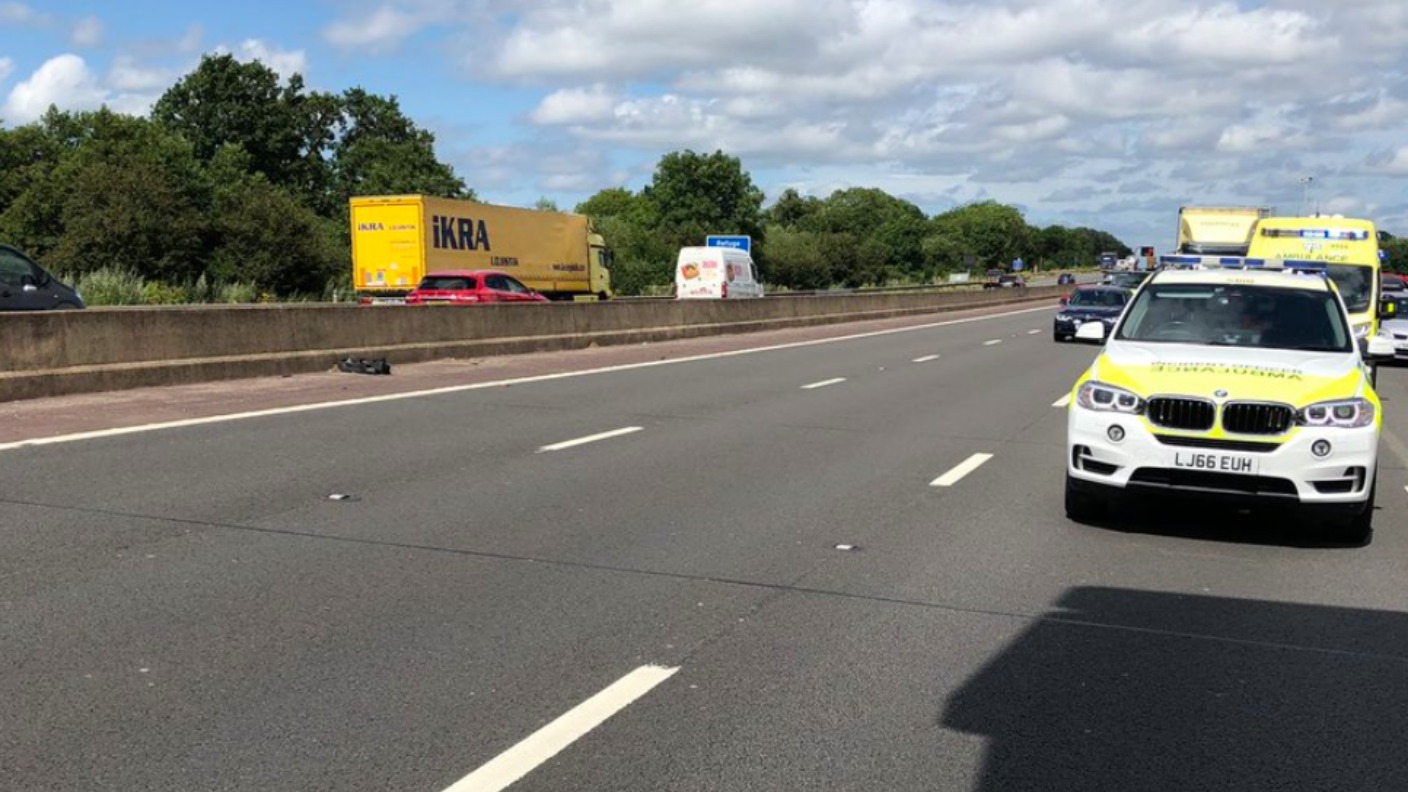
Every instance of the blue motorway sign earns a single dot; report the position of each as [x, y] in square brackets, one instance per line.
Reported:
[743, 243]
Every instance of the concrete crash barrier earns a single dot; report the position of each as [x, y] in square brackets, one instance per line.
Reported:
[66, 352]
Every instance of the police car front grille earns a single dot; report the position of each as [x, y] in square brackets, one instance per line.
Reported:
[1188, 414]
[1257, 419]
[1219, 445]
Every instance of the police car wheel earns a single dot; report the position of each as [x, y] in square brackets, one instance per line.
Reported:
[1355, 530]
[1082, 506]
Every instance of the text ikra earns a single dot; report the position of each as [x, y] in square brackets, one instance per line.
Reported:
[459, 233]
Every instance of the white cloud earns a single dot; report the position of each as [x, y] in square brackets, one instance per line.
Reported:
[64, 81]
[126, 74]
[13, 13]
[384, 30]
[7, 67]
[87, 32]
[285, 62]
[576, 106]
[1394, 163]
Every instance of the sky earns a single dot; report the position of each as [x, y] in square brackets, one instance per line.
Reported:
[1103, 113]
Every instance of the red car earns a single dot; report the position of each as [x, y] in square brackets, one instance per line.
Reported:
[462, 287]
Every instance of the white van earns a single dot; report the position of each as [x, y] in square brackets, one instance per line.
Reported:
[715, 273]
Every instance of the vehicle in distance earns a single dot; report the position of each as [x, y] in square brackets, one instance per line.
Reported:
[26, 286]
[1242, 386]
[997, 279]
[471, 288]
[718, 273]
[1065, 279]
[1124, 279]
[397, 239]
[1395, 329]
[1217, 230]
[1089, 304]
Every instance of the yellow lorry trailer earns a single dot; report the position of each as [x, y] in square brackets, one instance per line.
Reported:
[1216, 230]
[397, 239]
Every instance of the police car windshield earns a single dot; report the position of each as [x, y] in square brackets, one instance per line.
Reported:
[1263, 317]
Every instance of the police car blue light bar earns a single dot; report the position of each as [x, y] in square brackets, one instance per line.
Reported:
[1240, 262]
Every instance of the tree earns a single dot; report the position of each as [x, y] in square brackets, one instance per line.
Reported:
[796, 260]
[1396, 248]
[995, 233]
[379, 151]
[546, 204]
[610, 202]
[131, 197]
[693, 195]
[262, 235]
[227, 101]
[792, 210]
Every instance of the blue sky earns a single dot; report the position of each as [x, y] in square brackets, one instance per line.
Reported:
[1107, 113]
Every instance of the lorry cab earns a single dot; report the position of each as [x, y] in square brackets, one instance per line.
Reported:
[718, 273]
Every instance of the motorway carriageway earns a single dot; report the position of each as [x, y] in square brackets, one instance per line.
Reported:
[833, 564]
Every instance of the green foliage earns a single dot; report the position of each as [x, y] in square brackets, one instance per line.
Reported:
[238, 177]
[995, 233]
[236, 190]
[693, 195]
[796, 259]
[110, 286]
[1397, 250]
[227, 101]
[611, 202]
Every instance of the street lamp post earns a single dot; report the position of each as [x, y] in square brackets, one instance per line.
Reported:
[1305, 192]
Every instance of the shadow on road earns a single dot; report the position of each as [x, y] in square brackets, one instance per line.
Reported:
[1193, 693]
[1204, 522]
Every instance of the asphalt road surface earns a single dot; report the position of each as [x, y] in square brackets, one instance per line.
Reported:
[839, 565]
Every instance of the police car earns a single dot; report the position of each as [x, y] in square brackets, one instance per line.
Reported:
[1230, 384]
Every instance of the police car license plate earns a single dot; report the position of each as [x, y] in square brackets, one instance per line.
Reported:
[1215, 463]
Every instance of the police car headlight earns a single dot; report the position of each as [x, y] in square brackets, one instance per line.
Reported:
[1345, 414]
[1106, 398]
[1064, 317]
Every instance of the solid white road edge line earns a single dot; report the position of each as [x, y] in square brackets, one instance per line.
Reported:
[547, 742]
[956, 475]
[993, 342]
[420, 394]
[591, 438]
[824, 383]
[926, 359]
[1064, 401]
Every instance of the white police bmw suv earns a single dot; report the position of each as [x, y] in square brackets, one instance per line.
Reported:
[1239, 385]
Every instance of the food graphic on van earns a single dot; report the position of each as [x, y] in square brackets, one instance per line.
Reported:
[690, 271]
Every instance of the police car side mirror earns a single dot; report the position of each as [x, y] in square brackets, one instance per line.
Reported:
[1091, 331]
[1388, 309]
[1379, 348]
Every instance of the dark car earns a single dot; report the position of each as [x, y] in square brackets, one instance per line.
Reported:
[1089, 304]
[1065, 279]
[471, 287]
[25, 286]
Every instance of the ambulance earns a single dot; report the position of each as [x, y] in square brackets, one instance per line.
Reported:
[1237, 385]
[1348, 248]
